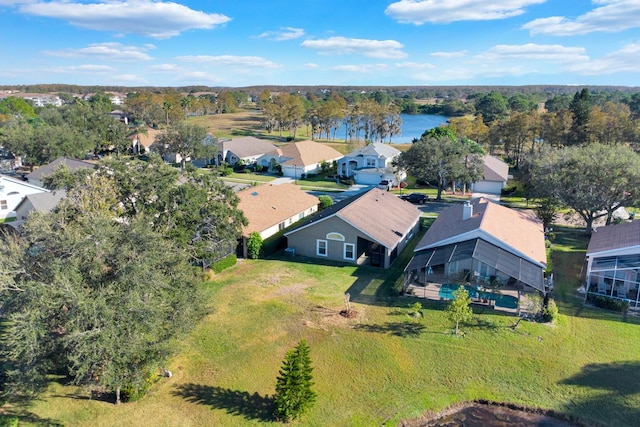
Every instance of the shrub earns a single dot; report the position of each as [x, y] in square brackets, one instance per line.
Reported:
[608, 303]
[9, 421]
[415, 309]
[325, 202]
[550, 312]
[224, 263]
[254, 245]
[226, 171]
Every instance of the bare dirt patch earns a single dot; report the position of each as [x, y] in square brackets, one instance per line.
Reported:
[491, 414]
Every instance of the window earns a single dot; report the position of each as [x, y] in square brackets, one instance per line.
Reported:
[453, 267]
[3, 205]
[335, 236]
[349, 251]
[321, 247]
[300, 216]
[371, 162]
[483, 269]
[281, 226]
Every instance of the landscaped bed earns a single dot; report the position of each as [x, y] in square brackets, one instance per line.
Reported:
[382, 366]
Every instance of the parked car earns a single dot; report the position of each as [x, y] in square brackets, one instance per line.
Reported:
[415, 198]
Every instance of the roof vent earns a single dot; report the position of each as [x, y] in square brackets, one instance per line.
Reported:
[467, 211]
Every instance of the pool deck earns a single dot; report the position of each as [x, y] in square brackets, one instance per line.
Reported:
[432, 291]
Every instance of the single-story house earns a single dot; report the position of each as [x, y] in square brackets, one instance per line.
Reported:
[271, 208]
[37, 176]
[175, 158]
[371, 227]
[494, 176]
[613, 262]
[299, 157]
[12, 191]
[141, 141]
[371, 164]
[246, 149]
[38, 202]
[484, 243]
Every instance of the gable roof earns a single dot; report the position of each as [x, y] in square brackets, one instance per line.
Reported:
[21, 183]
[512, 228]
[44, 202]
[376, 149]
[267, 205]
[147, 138]
[495, 169]
[306, 153]
[46, 170]
[246, 146]
[381, 215]
[616, 236]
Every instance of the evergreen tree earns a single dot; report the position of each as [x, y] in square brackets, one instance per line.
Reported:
[581, 109]
[293, 387]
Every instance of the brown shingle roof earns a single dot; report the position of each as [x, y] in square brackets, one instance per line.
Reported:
[146, 139]
[516, 229]
[613, 237]
[267, 205]
[307, 153]
[382, 216]
[247, 146]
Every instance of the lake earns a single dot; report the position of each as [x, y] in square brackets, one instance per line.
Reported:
[414, 125]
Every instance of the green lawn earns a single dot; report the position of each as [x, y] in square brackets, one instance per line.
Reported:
[382, 366]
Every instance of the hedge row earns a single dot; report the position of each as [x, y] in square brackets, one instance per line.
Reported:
[608, 303]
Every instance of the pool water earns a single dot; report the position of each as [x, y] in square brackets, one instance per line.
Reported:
[504, 301]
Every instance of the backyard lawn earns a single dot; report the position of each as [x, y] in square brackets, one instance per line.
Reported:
[381, 366]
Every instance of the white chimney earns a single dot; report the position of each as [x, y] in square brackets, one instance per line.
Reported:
[467, 211]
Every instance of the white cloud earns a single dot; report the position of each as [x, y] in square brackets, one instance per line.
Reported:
[199, 77]
[363, 68]
[82, 69]
[531, 51]
[106, 52]
[144, 17]
[612, 16]
[419, 12]
[283, 34]
[126, 78]
[626, 59]
[449, 55]
[164, 67]
[231, 60]
[311, 65]
[386, 49]
[415, 65]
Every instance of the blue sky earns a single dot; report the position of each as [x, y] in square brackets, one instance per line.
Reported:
[239, 43]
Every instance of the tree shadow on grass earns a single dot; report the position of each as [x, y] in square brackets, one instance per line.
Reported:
[611, 393]
[399, 329]
[234, 402]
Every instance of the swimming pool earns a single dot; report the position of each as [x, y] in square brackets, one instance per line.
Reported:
[504, 301]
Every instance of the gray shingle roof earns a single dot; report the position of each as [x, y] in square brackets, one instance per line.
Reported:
[46, 170]
[615, 236]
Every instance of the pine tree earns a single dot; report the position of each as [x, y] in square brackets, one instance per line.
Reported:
[293, 387]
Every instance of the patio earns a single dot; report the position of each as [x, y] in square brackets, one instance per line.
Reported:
[481, 297]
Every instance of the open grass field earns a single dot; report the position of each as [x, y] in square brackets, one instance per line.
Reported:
[381, 366]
